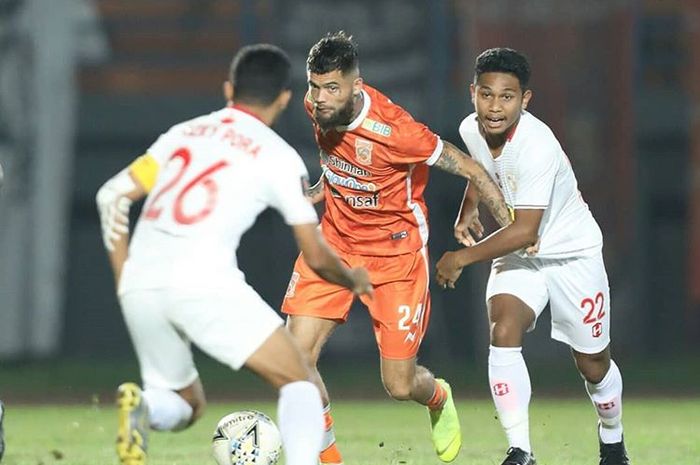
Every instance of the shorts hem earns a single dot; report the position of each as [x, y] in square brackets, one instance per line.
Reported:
[240, 363]
[578, 348]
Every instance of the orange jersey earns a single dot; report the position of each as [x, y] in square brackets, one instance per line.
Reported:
[375, 171]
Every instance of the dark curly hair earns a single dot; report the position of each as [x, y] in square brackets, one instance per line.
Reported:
[259, 73]
[503, 60]
[337, 51]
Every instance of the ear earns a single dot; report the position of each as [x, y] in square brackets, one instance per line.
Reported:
[228, 91]
[472, 93]
[357, 86]
[284, 98]
[527, 95]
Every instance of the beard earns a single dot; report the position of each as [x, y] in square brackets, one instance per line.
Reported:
[341, 117]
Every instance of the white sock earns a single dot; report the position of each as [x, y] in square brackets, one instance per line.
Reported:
[300, 418]
[511, 391]
[167, 411]
[607, 400]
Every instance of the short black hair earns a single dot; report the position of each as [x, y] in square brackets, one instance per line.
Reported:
[503, 60]
[336, 51]
[259, 73]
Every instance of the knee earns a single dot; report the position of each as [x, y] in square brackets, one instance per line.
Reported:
[506, 334]
[398, 389]
[593, 368]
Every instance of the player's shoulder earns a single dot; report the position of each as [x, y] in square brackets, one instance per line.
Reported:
[385, 120]
[532, 130]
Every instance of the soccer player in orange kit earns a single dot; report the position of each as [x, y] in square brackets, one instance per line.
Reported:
[375, 159]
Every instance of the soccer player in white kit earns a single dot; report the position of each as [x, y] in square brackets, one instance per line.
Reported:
[207, 180]
[522, 154]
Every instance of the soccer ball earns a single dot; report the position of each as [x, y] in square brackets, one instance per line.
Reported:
[247, 437]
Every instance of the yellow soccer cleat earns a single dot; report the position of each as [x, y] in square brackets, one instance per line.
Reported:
[447, 434]
[132, 436]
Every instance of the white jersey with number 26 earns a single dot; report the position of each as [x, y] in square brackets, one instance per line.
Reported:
[534, 173]
[216, 174]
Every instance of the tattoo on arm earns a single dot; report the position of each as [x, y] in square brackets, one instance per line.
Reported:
[449, 159]
[457, 162]
[315, 189]
[491, 195]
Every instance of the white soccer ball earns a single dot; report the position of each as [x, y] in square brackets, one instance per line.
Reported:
[247, 437]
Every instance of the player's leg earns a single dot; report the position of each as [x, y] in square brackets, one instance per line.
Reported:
[238, 328]
[315, 308]
[401, 311]
[516, 294]
[311, 334]
[580, 301]
[300, 412]
[166, 367]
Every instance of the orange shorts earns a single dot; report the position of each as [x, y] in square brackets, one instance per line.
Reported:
[400, 309]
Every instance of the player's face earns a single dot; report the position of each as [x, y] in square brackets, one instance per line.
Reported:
[498, 100]
[332, 95]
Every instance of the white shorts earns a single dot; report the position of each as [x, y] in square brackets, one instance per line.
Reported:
[577, 291]
[229, 325]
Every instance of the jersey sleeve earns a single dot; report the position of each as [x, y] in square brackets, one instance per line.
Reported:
[413, 142]
[146, 167]
[537, 169]
[286, 187]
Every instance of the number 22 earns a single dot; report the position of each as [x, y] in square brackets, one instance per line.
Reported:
[592, 305]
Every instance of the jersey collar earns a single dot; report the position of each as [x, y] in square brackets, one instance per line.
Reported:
[363, 114]
[244, 110]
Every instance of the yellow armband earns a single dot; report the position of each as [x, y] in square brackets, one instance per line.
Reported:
[145, 170]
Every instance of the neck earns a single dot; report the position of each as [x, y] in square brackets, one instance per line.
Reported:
[266, 114]
[357, 105]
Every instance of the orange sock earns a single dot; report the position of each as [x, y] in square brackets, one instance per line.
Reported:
[438, 399]
[330, 453]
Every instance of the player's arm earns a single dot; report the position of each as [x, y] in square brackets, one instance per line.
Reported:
[321, 258]
[114, 200]
[522, 233]
[467, 222]
[315, 192]
[457, 162]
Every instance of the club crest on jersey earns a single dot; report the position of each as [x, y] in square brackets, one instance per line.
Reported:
[363, 151]
[376, 127]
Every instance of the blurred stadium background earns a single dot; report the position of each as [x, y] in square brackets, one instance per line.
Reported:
[86, 86]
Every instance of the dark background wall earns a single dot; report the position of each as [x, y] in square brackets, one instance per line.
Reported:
[616, 81]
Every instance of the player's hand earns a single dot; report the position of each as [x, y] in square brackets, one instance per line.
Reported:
[362, 286]
[534, 248]
[467, 225]
[448, 270]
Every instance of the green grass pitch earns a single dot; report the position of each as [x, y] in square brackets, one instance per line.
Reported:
[658, 432]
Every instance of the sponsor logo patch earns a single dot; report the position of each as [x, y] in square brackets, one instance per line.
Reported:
[363, 201]
[349, 182]
[376, 127]
[500, 389]
[343, 165]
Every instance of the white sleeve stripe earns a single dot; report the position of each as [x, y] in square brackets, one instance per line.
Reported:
[436, 153]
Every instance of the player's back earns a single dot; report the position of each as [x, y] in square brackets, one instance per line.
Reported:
[217, 174]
